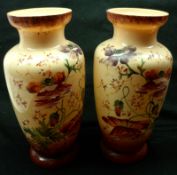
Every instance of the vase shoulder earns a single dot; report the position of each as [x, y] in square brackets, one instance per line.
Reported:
[111, 47]
[44, 56]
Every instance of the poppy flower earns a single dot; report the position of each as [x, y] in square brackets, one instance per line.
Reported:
[151, 75]
[34, 87]
[125, 132]
[73, 125]
[157, 89]
[125, 128]
[49, 90]
[59, 77]
[113, 121]
[51, 97]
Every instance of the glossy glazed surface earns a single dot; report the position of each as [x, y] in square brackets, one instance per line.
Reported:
[131, 76]
[45, 76]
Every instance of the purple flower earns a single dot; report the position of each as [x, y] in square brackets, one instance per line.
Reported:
[119, 55]
[71, 48]
[109, 52]
[113, 59]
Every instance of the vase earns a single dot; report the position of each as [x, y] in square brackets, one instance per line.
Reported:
[45, 77]
[131, 76]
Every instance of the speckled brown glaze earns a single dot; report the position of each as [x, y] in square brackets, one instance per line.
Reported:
[115, 17]
[51, 21]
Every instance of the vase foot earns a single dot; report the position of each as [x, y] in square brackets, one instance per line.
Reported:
[53, 162]
[123, 158]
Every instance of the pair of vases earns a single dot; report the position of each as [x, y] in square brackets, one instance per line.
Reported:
[45, 76]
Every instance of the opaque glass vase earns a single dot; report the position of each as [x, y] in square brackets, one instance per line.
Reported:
[131, 76]
[45, 77]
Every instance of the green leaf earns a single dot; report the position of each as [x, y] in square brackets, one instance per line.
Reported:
[54, 134]
[43, 136]
[37, 137]
[71, 67]
[68, 66]
[119, 103]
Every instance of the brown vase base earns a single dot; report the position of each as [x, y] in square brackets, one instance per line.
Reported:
[53, 162]
[123, 158]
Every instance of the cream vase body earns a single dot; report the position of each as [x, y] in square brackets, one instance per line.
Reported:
[131, 76]
[45, 76]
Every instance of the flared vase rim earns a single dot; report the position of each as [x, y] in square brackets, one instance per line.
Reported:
[138, 12]
[39, 12]
[42, 18]
[145, 16]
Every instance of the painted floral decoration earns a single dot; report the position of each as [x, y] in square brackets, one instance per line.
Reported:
[150, 95]
[50, 90]
[54, 93]
[115, 56]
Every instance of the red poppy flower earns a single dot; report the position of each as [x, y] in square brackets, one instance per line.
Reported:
[157, 89]
[125, 128]
[59, 77]
[34, 87]
[125, 132]
[51, 97]
[151, 75]
[73, 125]
[49, 90]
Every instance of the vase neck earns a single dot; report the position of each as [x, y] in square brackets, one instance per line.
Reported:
[135, 36]
[38, 40]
